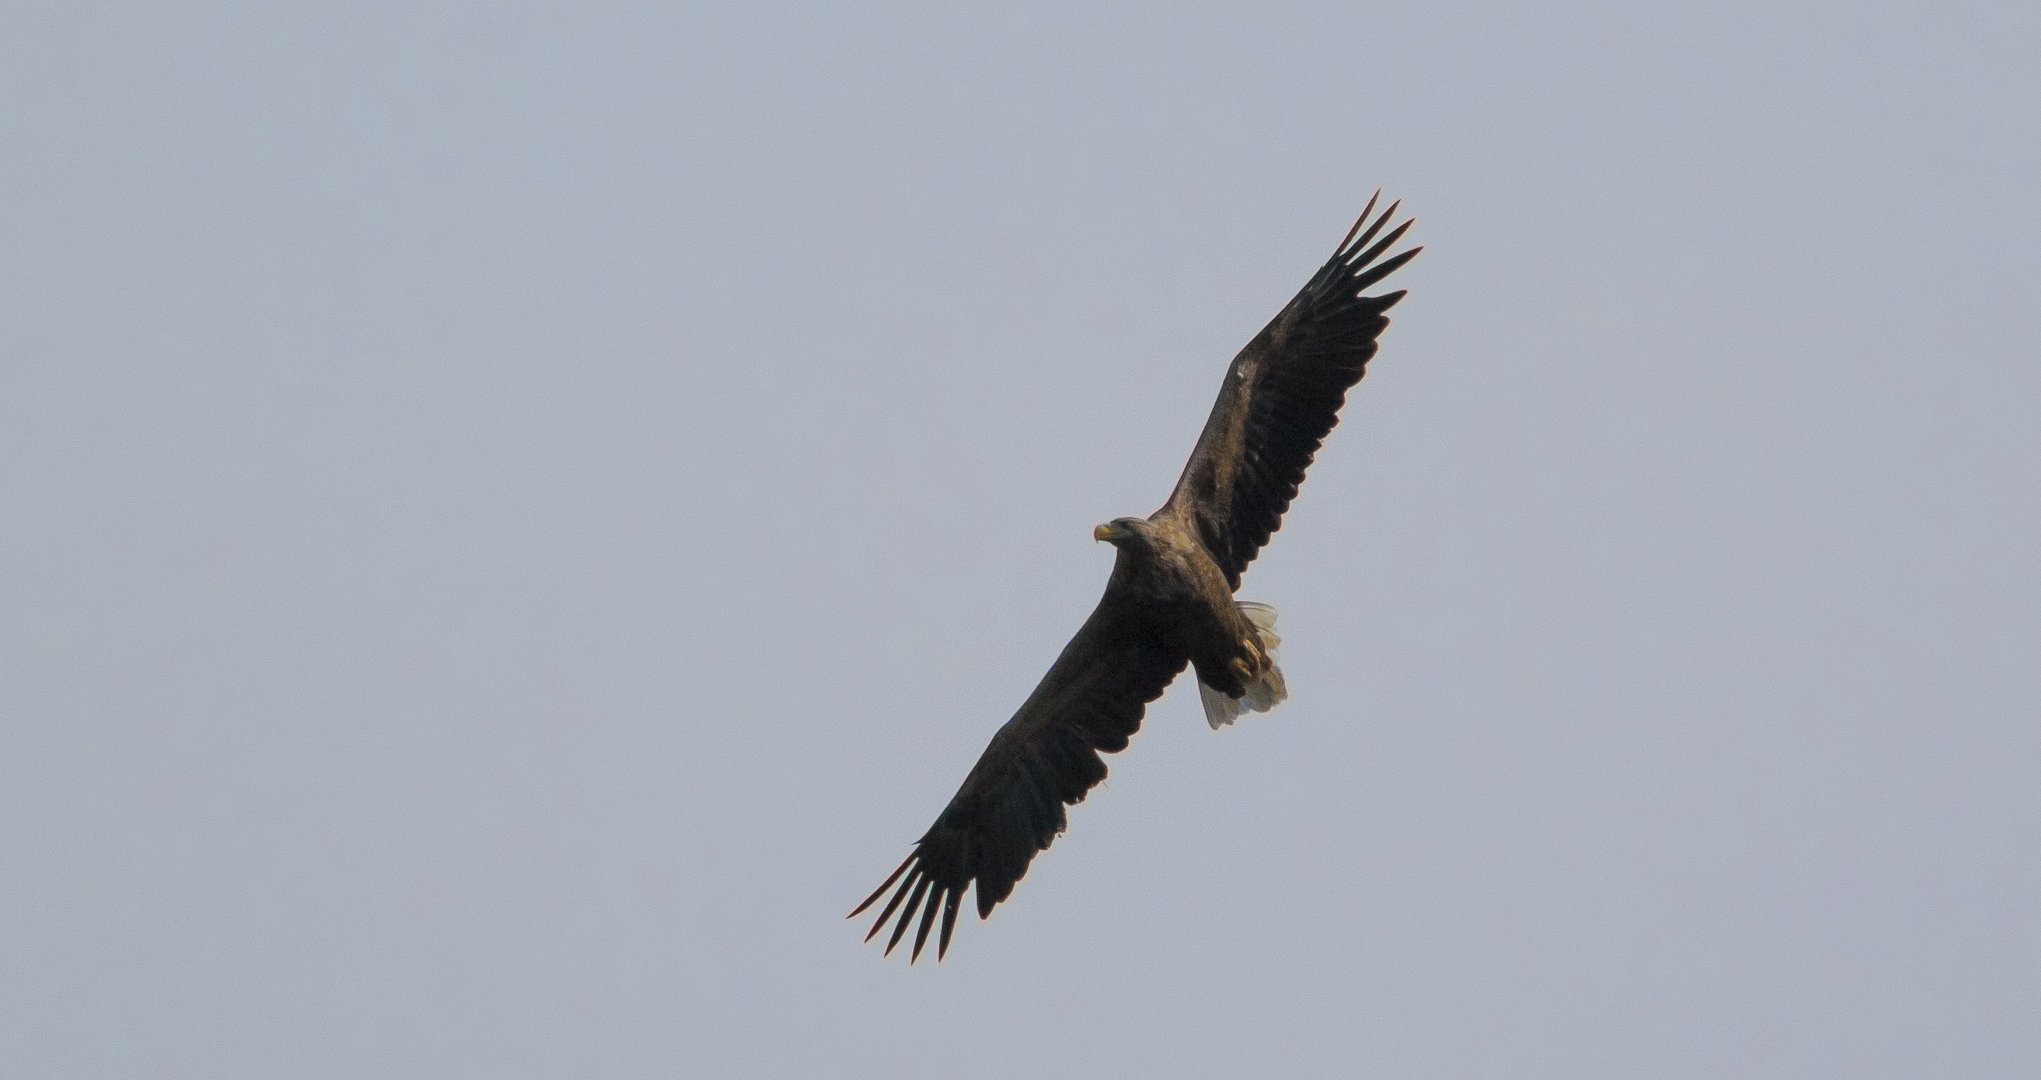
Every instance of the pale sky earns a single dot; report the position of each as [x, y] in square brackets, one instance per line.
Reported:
[514, 516]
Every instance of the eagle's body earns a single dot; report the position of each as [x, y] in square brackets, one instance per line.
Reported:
[1169, 603]
[1168, 579]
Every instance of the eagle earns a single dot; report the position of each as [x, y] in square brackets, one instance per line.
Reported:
[1169, 602]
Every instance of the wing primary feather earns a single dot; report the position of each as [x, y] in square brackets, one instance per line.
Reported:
[890, 905]
[1359, 221]
[907, 914]
[1362, 281]
[942, 944]
[927, 920]
[881, 890]
[1370, 234]
[1384, 244]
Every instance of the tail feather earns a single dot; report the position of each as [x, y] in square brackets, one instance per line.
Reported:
[1262, 694]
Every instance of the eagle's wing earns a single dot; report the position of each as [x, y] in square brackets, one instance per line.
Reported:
[1281, 396]
[1011, 804]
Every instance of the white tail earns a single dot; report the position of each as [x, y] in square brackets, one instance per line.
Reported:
[1262, 694]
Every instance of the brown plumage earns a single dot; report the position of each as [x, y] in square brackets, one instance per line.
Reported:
[1169, 602]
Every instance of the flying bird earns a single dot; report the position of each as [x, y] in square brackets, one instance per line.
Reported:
[1169, 602]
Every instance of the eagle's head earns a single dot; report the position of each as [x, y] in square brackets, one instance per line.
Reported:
[1124, 531]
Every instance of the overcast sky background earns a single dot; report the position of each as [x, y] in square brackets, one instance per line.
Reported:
[515, 516]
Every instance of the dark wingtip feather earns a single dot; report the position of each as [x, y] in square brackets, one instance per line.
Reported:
[880, 891]
[1383, 245]
[890, 905]
[927, 920]
[1358, 222]
[942, 945]
[907, 914]
[1362, 281]
[1348, 252]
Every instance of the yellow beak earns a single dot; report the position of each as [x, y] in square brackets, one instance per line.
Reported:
[1103, 532]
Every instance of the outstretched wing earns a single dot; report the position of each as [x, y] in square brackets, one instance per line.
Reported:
[1047, 756]
[1282, 395]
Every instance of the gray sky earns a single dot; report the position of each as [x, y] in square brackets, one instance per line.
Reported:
[513, 517]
